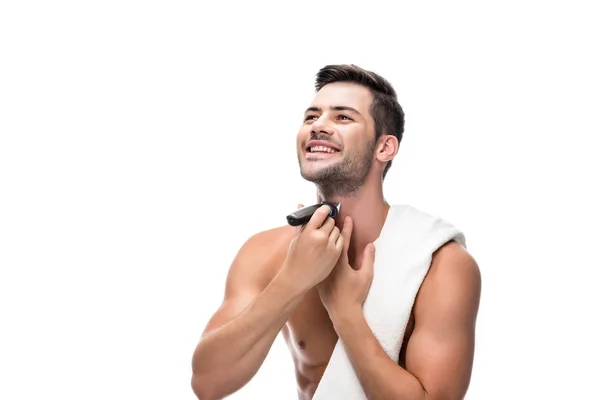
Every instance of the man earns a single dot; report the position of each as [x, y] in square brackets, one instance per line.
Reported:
[310, 283]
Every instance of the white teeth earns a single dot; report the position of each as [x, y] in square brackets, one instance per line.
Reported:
[321, 149]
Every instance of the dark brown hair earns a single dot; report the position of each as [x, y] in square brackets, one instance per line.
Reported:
[385, 109]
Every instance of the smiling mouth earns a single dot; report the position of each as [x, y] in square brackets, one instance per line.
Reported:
[320, 153]
[322, 150]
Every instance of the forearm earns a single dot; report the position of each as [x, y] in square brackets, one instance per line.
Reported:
[380, 377]
[228, 357]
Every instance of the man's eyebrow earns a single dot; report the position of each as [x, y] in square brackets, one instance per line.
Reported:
[334, 108]
[312, 109]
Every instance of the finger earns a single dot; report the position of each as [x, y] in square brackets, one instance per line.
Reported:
[318, 217]
[368, 260]
[339, 243]
[328, 225]
[334, 235]
[347, 234]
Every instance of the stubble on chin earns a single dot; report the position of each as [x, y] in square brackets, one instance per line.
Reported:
[334, 181]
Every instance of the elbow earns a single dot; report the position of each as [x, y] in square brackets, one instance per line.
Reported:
[202, 388]
[201, 380]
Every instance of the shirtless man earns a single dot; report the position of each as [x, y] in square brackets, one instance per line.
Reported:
[310, 283]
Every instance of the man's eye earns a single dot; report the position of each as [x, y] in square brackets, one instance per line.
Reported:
[310, 118]
[345, 118]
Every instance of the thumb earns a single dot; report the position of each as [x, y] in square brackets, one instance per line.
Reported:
[368, 259]
[346, 234]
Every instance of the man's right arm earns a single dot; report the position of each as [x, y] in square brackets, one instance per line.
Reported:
[239, 335]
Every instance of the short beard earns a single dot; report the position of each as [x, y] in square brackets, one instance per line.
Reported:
[345, 178]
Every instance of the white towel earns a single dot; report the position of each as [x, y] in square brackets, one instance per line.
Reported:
[403, 255]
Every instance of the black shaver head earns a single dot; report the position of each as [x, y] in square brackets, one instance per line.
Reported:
[303, 215]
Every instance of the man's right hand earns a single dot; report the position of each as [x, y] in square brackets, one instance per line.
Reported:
[314, 250]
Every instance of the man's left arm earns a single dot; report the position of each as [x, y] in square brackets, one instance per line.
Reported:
[440, 351]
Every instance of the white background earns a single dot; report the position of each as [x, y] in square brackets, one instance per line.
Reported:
[143, 142]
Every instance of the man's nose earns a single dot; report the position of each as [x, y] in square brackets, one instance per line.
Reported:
[321, 126]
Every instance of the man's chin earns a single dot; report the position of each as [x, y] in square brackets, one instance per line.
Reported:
[319, 166]
[310, 176]
[317, 176]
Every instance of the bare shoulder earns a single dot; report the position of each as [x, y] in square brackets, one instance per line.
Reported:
[453, 280]
[453, 265]
[261, 255]
[441, 349]
[271, 240]
[253, 267]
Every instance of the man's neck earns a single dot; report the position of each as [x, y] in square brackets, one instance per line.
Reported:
[368, 210]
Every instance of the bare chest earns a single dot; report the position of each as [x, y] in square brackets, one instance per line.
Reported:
[309, 332]
[311, 338]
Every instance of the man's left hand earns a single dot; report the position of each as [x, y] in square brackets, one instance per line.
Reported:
[345, 289]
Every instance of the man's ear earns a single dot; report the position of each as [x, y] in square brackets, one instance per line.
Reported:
[387, 148]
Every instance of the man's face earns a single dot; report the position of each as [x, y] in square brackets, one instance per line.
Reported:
[336, 141]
